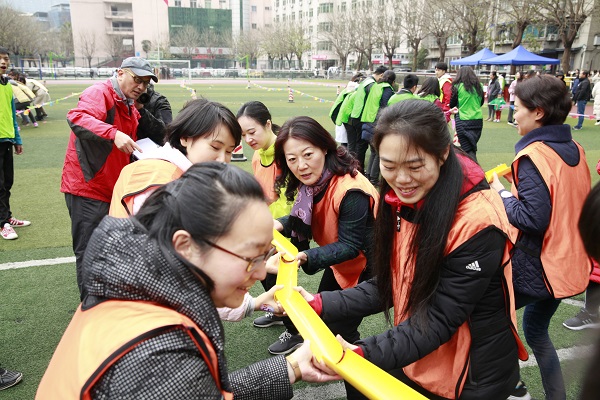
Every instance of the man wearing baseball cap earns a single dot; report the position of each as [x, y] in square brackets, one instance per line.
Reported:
[104, 128]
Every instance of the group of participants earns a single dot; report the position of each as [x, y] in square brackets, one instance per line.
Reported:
[188, 235]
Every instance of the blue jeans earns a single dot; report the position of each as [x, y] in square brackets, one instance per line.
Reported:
[536, 320]
[580, 110]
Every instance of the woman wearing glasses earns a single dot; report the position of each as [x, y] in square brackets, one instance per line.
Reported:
[149, 327]
[335, 206]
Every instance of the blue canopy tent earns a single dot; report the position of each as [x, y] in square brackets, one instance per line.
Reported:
[520, 56]
[475, 59]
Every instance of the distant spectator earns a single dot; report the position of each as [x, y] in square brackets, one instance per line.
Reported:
[493, 91]
[581, 96]
[445, 81]
[42, 96]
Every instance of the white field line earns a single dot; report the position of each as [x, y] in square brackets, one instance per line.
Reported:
[37, 263]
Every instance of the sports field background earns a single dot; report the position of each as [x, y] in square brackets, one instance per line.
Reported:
[36, 303]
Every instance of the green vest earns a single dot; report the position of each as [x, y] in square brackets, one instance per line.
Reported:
[346, 109]
[359, 100]
[335, 109]
[469, 104]
[7, 124]
[372, 103]
[430, 98]
[404, 94]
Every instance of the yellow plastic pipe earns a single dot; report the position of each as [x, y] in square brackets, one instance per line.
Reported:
[501, 170]
[369, 379]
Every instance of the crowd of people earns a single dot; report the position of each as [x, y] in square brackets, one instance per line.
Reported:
[169, 238]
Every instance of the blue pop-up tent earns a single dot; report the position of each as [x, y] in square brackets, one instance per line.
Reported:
[478, 58]
[520, 56]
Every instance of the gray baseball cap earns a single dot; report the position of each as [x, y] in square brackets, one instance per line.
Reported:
[140, 67]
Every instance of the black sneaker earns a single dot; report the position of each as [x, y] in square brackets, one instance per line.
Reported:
[9, 378]
[286, 343]
[582, 320]
[520, 392]
[268, 320]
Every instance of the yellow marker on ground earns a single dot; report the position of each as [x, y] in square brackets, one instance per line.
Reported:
[501, 170]
[371, 380]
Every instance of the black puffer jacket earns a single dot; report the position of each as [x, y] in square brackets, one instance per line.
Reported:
[122, 262]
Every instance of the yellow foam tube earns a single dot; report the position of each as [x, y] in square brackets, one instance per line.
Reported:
[371, 380]
[501, 170]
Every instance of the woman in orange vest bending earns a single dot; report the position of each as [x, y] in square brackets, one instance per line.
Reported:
[550, 180]
[203, 131]
[335, 206]
[259, 131]
[441, 258]
[148, 328]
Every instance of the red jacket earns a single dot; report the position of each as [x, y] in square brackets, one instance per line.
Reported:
[93, 163]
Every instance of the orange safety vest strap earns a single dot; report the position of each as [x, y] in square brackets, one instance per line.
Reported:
[325, 223]
[137, 178]
[265, 175]
[557, 253]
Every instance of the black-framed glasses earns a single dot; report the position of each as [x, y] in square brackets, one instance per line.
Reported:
[252, 262]
[137, 79]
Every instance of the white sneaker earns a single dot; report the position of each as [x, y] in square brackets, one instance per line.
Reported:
[597, 123]
[8, 232]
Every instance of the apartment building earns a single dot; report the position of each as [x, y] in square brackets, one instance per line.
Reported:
[110, 30]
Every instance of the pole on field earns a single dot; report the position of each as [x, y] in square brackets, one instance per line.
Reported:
[290, 96]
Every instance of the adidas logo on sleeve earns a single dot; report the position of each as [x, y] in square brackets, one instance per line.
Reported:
[473, 266]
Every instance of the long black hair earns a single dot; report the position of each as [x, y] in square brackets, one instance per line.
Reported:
[205, 201]
[467, 77]
[337, 159]
[423, 127]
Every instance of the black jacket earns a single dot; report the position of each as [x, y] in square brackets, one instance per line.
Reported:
[583, 91]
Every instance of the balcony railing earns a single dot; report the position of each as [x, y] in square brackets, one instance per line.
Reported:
[119, 15]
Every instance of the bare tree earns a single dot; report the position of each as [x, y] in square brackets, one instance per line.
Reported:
[114, 45]
[416, 25]
[187, 38]
[210, 39]
[298, 40]
[87, 43]
[388, 29]
[363, 34]
[146, 46]
[340, 35]
[567, 16]
[440, 27]
[13, 36]
[247, 44]
[471, 21]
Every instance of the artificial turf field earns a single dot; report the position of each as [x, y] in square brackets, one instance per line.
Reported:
[36, 303]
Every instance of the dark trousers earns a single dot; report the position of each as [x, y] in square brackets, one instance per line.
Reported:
[23, 107]
[348, 328]
[86, 215]
[7, 177]
[511, 111]
[536, 320]
[356, 145]
[354, 394]
[268, 282]
[372, 170]
[592, 298]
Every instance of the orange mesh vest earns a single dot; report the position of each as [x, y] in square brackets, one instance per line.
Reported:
[266, 177]
[325, 223]
[97, 338]
[444, 370]
[567, 267]
[135, 179]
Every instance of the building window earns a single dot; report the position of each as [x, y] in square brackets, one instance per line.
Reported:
[193, 4]
[254, 26]
[325, 8]
[324, 46]
[253, 8]
[177, 3]
[343, 8]
[267, 8]
[324, 27]
[207, 4]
